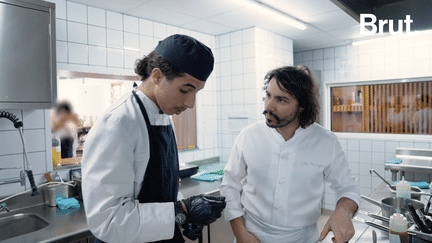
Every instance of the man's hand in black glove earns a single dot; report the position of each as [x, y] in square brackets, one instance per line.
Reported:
[192, 231]
[203, 209]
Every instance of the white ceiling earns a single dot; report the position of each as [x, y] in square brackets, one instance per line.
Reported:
[328, 24]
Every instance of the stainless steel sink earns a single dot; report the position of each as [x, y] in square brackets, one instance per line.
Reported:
[20, 224]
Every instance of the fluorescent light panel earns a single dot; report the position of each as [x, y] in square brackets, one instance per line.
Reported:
[264, 9]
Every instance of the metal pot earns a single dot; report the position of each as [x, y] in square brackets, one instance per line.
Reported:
[389, 205]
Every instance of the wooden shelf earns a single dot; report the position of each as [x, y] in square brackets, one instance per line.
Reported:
[347, 108]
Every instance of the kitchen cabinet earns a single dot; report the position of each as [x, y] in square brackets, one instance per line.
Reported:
[27, 54]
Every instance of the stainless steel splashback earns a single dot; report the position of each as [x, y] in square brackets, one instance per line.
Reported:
[27, 54]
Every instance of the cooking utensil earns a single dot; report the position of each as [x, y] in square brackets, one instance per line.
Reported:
[374, 236]
[419, 222]
[389, 205]
[416, 192]
[428, 205]
[372, 170]
[48, 177]
[375, 216]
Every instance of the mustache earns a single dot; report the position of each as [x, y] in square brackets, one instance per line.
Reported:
[271, 114]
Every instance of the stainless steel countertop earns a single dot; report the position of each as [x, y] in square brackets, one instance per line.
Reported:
[72, 227]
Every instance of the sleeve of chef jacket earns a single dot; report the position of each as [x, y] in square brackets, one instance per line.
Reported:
[339, 175]
[113, 213]
[232, 183]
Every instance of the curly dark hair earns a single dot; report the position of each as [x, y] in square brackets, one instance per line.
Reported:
[298, 82]
[144, 66]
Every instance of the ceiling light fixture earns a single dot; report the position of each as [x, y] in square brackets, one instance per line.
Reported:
[273, 13]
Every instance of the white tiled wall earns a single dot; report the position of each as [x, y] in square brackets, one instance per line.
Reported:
[95, 40]
[244, 57]
[409, 57]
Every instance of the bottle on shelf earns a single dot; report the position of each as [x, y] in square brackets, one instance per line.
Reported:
[403, 189]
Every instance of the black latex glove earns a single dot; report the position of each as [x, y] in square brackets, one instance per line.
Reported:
[204, 209]
[192, 231]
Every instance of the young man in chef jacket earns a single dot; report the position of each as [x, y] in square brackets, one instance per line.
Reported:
[130, 166]
[274, 178]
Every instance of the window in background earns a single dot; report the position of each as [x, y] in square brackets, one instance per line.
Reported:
[91, 94]
[397, 108]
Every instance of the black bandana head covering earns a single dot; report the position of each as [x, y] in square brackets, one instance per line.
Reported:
[188, 55]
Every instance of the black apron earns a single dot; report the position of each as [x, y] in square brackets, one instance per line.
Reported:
[161, 179]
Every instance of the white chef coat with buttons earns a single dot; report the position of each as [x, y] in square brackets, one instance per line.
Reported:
[280, 182]
[115, 159]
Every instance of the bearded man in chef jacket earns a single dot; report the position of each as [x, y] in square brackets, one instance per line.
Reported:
[274, 178]
[130, 165]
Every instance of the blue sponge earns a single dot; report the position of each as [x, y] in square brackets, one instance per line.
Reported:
[67, 204]
[394, 161]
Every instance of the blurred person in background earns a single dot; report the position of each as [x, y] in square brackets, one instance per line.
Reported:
[63, 126]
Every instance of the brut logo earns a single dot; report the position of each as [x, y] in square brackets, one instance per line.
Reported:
[382, 23]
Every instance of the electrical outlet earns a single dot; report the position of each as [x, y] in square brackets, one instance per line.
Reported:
[75, 173]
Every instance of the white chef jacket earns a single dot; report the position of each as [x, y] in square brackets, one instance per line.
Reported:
[281, 183]
[115, 159]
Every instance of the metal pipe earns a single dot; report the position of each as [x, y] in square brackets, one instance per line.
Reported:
[10, 181]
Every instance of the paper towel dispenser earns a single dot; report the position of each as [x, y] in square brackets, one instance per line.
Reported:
[27, 54]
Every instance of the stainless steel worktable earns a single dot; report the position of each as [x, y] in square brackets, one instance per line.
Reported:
[72, 227]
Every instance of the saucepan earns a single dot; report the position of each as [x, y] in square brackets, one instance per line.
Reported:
[389, 205]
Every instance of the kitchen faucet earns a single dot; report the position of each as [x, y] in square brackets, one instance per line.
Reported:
[18, 125]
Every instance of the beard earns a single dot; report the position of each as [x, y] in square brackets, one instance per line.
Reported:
[280, 122]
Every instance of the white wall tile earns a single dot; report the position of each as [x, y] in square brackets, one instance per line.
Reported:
[96, 16]
[97, 56]
[160, 30]
[378, 146]
[114, 39]
[172, 30]
[76, 12]
[307, 56]
[237, 67]
[236, 52]
[353, 145]
[60, 8]
[329, 64]
[225, 54]
[78, 53]
[329, 53]
[33, 119]
[11, 161]
[61, 30]
[224, 40]
[35, 140]
[77, 32]
[249, 65]
[317, 55]
[10, 142]
[37, 162]
[146, 44]
[248, 35]
[131, 41]
[236, 38]
[62, 50]
[366, 145]
[97, 36]
[130, 24]
[114, 20]
[130, 59]
[248, 50]
[115, 58]
[146, 27]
